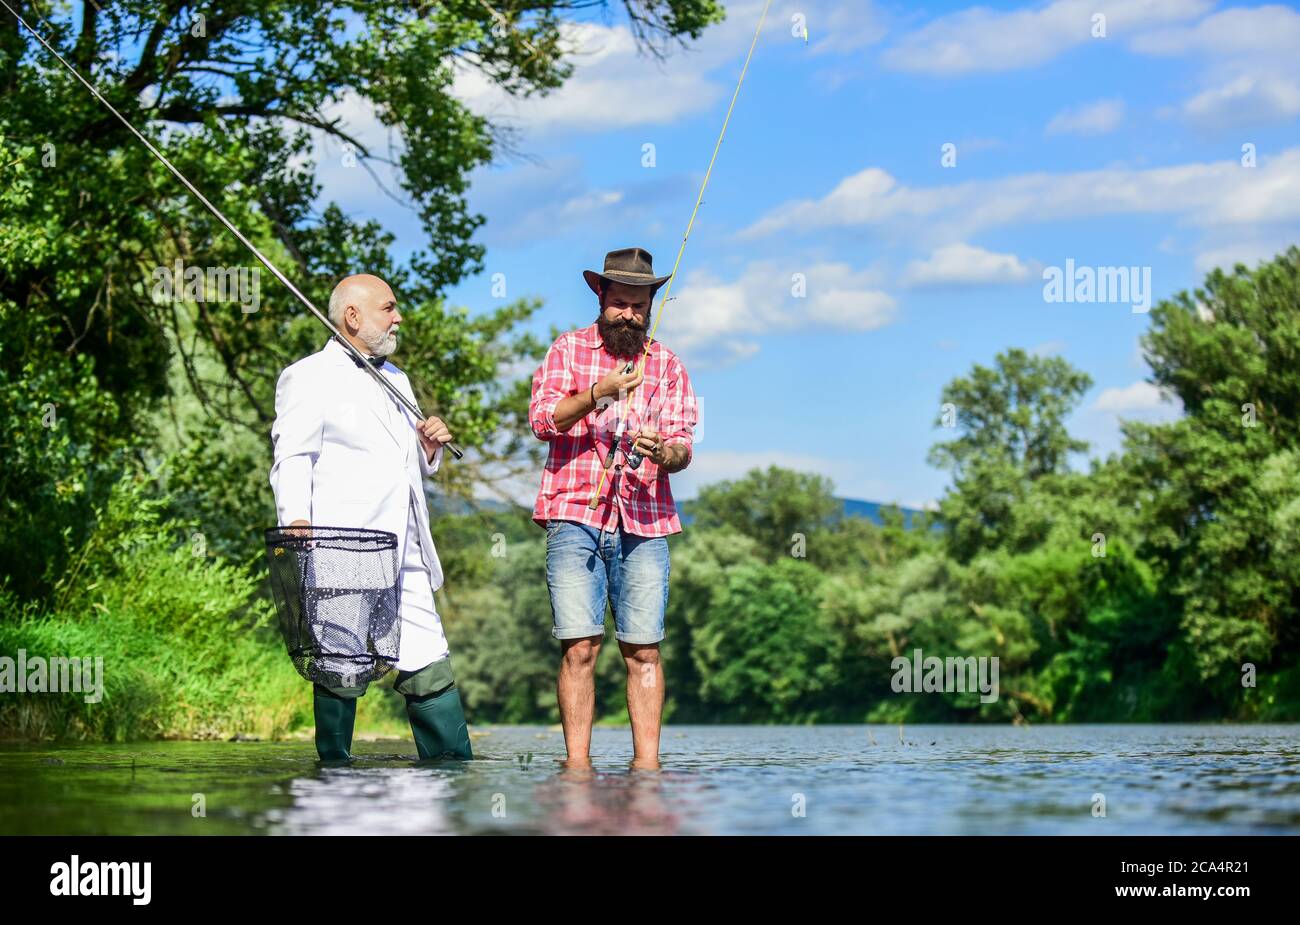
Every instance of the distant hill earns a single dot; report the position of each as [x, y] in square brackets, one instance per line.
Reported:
[871, 511]
[853, 507]
[444, 504]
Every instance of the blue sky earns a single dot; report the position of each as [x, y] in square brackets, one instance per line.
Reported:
[1122, 149]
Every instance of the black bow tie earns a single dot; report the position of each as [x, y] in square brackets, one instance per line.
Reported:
[376, 362]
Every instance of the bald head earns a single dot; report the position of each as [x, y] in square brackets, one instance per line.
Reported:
[364, 309]
[360, 289]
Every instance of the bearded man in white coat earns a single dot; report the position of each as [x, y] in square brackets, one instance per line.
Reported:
[348, 455]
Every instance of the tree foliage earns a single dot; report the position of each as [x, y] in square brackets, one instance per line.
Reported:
[239, 94]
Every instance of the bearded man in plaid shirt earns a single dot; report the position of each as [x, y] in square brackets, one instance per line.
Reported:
[616, 551]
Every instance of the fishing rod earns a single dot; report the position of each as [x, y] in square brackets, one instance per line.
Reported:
[275, 271]
[634, 458]
[622, 423]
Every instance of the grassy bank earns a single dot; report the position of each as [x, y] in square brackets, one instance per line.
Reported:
[189, 648]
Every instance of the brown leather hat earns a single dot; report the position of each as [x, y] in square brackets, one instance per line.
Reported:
[632, 266]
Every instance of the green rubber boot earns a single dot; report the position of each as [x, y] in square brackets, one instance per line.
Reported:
[438, 724]
[335, 717]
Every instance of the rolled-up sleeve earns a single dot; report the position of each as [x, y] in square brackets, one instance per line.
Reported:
[552, 383]
[296, 438]
[681, 409]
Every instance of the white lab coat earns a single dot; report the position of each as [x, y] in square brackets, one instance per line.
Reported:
[348, 455]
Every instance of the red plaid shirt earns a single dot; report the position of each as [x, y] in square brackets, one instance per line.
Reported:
[664, 402]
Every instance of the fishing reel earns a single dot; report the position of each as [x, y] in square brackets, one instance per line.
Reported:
[631, 456]
[634, 458]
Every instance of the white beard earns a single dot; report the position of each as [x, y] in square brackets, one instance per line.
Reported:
[381, 343]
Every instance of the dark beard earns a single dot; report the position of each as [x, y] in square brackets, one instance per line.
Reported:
[624, 338]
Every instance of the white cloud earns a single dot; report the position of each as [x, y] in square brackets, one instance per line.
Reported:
[835, 27]
[1245, 100]
[1205, 194]
[1138, 397]
[1250, 69]
[611, 88]
[586, 203]
[980, 39]
[1273, 30]
[964, 264]
[538, 202]
[614, 86]
[1090, 119]
[1248, 252]
[718, 321]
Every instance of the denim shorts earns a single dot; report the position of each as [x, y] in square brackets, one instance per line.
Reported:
[586, 567]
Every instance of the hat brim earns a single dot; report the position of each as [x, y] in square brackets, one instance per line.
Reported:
[627, 279]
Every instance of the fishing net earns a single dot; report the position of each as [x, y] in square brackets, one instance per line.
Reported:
[336, 593]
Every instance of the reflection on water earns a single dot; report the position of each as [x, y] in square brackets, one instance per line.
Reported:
[365, 801]
[726, 779]
[595, 803]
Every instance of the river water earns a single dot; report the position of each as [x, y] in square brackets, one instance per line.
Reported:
[1185, 779]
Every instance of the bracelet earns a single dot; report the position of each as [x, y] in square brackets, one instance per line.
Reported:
[594, 403]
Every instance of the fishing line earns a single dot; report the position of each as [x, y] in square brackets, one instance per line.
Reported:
[622, 423]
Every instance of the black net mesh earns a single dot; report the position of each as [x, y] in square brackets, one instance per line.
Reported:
[336, 592]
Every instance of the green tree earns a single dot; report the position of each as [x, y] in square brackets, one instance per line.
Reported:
[763, 648]
[1217, 487]
[1011, 421]
[771, 506]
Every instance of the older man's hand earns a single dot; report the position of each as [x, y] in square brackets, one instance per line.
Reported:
[433, 434]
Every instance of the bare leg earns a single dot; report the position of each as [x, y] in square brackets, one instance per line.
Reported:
[576, 692]
[645, 701]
